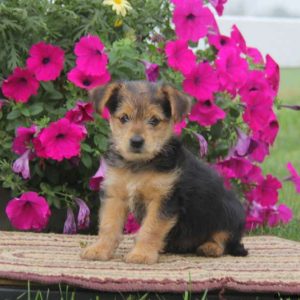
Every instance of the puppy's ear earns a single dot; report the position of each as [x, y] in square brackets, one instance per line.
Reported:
[180, 103]
[106, 96]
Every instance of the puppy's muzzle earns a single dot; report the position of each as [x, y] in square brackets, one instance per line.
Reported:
[136, 143]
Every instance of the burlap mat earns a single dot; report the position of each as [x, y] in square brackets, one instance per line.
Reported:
[272, 266]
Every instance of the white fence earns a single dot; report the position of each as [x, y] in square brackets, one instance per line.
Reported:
[279, 37]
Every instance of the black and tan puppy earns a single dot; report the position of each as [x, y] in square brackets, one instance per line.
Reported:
[181, 202]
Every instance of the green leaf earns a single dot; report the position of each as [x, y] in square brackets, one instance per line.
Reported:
[101, 142]
[53, 201]
[25, 111]
[234, 112]
[13, 115]
[48, 86]
[86, 148]
[86, 160]
[36, 108]
[216, 130]
[55, 95]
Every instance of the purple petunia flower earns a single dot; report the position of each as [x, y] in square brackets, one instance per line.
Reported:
[96, 180]
[245, 145]
[203, 144]
[21, 165]
[70, 225]
[151, 71]
[83, 219]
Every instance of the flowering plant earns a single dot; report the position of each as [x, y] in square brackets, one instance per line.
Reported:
[52, 141]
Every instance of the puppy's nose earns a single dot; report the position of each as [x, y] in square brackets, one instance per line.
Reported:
[136, 142]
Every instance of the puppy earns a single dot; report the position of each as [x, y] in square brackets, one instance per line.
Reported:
[182, 203]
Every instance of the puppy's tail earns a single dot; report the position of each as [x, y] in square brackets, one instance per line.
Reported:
[236, 249]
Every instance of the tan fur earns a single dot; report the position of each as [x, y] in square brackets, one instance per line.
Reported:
[150, 239]
[143, 185]
[155, 137]
[216, 246]
[180, 103]
[123, 187]
[107, 92]
[112, 217]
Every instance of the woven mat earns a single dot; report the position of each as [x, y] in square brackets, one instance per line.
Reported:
[272, 266]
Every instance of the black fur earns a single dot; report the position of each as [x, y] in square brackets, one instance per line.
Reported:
[200, 201]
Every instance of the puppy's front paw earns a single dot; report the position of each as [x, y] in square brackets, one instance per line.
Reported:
[138, 257]
[96, 252]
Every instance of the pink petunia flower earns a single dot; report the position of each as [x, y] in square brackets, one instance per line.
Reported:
[258, 110]
[203, 145]
[238, 38]
[96, 180]
[272, 73]
[256, 86]
[178, 127]
[22, 141]
[192, 20]
[253, 222]
[295, 177]
[240, 42]
[70, 225]
[255, 54]
[91, 57]
[281, 214]
[131, 226]
[85, 81]
[20, 86]
[255, 216]
[220, 41]
[105, 113]
[206, 113]
[179, 56]
[29, 212]
[201, 82]
[234, 167]
[254, 175]
[83, 219]
[218, 5]
[21, 165]
[61, 139]
[46, 61]
[266, 192]
[260, 152]
[232, 69]
[151, 71]
[269, 133]
[82, 112]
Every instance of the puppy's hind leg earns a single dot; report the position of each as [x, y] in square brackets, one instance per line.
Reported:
[215, 247]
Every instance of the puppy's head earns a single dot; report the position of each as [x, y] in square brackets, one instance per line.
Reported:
[142, 115]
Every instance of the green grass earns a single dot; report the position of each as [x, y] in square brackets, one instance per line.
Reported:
[285, 149]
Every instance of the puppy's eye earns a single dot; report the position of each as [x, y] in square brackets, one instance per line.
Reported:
[124, 119]
[154, 121]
